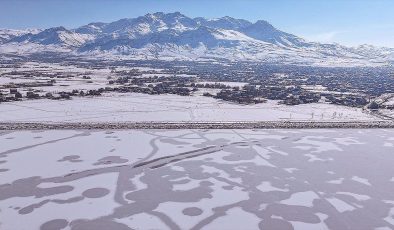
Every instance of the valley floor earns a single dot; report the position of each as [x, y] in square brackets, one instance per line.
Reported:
[197, 179]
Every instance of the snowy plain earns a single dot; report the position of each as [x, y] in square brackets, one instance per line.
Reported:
[134, 107]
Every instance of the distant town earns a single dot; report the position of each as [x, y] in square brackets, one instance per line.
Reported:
[243, 82]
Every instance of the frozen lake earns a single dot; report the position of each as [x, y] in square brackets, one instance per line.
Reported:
[197, 179]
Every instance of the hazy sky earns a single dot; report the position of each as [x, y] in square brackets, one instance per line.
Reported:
[350, 22]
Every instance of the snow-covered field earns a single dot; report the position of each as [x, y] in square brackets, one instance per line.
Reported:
[197, 179]
[141, 107]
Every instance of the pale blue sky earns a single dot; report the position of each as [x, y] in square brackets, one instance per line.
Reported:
[350, 22]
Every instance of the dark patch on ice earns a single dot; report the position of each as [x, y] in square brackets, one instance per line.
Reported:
[30, 208]
[29, 187]
[274, 223]
[99, 224]
[111, 160]
[206, 183]
[216, 142]
[68, 201]
[228, 187]
[4, 170]
[71, 158]
[56, 224]
[173, 141]
[237, 153]
[192, 211]
[183, 181]
[95, 192]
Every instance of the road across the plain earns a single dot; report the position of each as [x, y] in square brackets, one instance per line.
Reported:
[196, 125]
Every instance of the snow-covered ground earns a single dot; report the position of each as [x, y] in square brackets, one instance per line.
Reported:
[197, 179]
[142, 107]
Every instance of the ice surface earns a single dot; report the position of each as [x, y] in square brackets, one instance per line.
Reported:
[201, 179]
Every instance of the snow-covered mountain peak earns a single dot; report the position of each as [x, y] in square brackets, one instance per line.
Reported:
[54, 36]
[91, 28]
[223, 23]
[263, 23]
[8, 34]
[176, 36]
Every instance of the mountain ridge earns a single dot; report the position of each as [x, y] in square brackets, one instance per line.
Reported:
[174, 36]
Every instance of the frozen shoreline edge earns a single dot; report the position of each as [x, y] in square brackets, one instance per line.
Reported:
[194, 125]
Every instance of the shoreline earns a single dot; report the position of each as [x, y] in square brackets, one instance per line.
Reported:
[6, 126]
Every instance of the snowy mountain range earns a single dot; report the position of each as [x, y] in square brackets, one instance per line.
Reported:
[174, 36]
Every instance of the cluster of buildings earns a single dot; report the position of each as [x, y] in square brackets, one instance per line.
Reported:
[15, 95]
[249, 94]
[354, 87]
